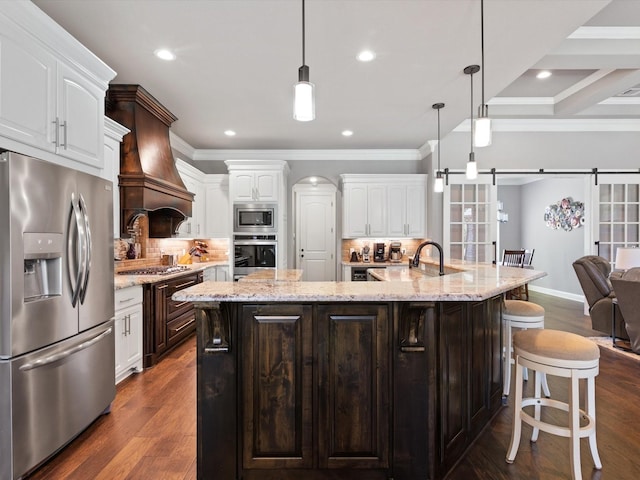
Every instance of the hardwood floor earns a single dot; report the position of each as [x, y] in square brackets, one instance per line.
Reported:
[149, 434]
[151, 430]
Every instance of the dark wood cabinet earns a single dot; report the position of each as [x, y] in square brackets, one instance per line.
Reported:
[277, 369]
[314, 376]
[166, 322]
[353, 358]
[470, 374]
[341, 391]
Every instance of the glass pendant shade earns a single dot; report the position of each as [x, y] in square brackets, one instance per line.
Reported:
[304, 108]
[304, 105]
[482, 132]
[472, 168]
[438, 185]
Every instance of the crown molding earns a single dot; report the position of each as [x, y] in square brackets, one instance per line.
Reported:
[181, 146]
[559, 125]
[606, 33]
[311, 155]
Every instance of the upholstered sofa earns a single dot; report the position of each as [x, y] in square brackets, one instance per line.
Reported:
[627, 288]
[593, 274]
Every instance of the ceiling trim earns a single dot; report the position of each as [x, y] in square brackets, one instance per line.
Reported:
[606, 33]
[310, 155]
[559, 125]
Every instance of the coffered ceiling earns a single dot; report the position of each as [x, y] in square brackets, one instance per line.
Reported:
[237, 61]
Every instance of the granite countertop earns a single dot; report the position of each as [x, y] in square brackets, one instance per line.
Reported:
[471, 282]
[124, 281]
[289, 275]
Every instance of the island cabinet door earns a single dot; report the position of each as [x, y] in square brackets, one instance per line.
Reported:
[452, 368]
[276, 365]
[354, 388]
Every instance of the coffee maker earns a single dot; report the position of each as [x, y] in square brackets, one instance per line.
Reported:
[395, 252]
[378, 252]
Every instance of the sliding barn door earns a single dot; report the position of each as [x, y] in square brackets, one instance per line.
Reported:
[615, 215]
[469, 219]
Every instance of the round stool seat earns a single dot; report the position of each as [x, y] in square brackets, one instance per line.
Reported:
[519, 314]
[523, 309]
[562, 354]
[552, 347]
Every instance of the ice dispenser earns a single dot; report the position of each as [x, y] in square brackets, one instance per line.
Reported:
[42, 265]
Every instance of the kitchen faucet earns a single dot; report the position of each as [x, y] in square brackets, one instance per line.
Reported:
[416, 258]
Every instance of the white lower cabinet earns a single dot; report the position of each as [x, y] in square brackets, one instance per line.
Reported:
[219, 273]
[128, 331]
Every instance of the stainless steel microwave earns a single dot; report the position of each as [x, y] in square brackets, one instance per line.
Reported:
[254, 218]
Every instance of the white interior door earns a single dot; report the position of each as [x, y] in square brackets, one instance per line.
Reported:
[316, 232]
[469, 219]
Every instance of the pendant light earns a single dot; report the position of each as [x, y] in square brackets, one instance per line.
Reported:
[304, 106]
[482, 135]
[472, 166]
[438, 185]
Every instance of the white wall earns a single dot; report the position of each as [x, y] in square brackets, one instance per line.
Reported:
[555, 249]
[510, 233]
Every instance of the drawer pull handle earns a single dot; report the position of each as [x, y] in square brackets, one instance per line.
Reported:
[126, 300]
[178, 305]
[185, 284]
[182, 327]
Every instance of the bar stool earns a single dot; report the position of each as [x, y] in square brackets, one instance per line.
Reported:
[523, 315]
[565, 355]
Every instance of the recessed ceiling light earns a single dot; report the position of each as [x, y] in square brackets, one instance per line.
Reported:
[543, 74]
[347, 133]
[230, 133]
[165, 54]
[366, 56]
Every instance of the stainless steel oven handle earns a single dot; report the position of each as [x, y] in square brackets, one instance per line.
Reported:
[258, 242]
[41, 362]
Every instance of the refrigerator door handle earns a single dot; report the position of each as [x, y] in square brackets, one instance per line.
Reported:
[41, 362]
[86, 268]
[72, 253]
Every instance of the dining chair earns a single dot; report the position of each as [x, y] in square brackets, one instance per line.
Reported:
[516, 258]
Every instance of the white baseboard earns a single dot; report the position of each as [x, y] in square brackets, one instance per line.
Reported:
[557, 293]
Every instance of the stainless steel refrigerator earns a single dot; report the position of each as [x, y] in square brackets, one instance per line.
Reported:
[56, 308]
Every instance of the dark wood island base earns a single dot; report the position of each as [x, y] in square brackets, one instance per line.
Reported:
[344, 390]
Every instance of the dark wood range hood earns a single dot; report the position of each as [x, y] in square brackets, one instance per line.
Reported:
[149, 181]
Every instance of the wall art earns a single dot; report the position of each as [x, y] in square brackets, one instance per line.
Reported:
[565, 214]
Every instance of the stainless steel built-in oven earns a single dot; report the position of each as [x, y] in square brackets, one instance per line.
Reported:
[254, 218]
[254, 252]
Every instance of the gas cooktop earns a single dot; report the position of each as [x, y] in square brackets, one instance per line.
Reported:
[161, 270]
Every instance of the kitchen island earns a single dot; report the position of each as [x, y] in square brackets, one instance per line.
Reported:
[348, 380]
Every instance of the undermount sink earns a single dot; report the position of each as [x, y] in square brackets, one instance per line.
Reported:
[431, 270]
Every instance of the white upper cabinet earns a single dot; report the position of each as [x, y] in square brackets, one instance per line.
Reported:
[193, 227]
[210, 211]
[255, 186]
[217, 209]
[406, 210]
[253, 181]
[79, 133]
[364, 210]
[52, 90]
[27, 95]
[383, 206]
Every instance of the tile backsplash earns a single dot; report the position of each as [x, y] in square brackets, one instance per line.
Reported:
[408, 244]
[152, 249]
